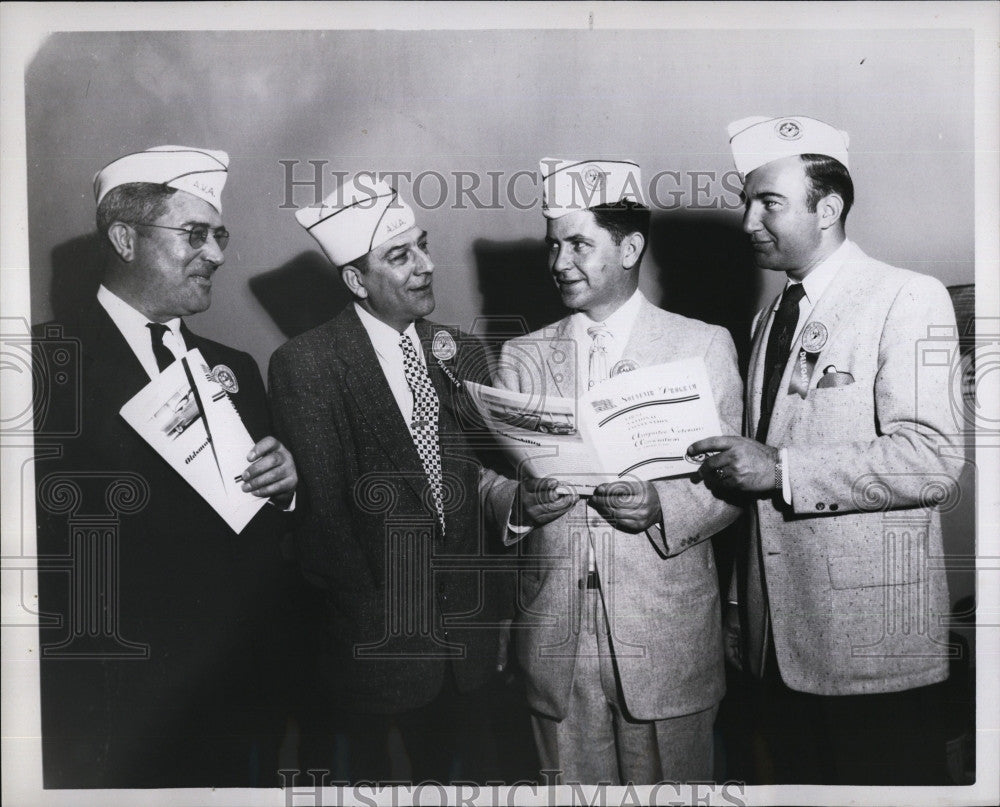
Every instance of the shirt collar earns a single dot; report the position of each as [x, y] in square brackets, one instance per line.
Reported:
[619, 323]
[815, 283]
[128, 320]
[385, 338]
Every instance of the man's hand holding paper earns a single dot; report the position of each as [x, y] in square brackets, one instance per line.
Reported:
[738, 464]
[539, 501]
[271, 473]
[629, 505]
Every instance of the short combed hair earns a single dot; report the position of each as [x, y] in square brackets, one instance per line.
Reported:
[133, 203]
[362, 263]
[622, 219]
[826, 176]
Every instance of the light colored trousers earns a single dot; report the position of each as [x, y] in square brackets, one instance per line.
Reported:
[598, 742]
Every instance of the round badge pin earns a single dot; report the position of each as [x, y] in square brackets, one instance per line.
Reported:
[225, 378]
[788, 129]
[593, 178]
[443, 347]
[624, 366]
[814, 336]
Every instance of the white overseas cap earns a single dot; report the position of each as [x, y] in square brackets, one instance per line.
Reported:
[570, 185]
[758, 140]
[358, 216]
[200, 172]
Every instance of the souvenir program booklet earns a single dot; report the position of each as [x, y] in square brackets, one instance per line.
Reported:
[636, 425]
[186, 415]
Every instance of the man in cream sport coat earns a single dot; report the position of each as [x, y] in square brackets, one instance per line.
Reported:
[849, 444]
[619, 625]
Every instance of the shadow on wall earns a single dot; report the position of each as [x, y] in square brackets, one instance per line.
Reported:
[301, 294]
[707, 272]
[76, 274]
[517, 289]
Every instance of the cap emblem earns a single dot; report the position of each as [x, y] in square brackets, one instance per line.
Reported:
[788, 130]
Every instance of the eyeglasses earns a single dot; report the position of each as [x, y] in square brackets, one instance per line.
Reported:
[197, 235]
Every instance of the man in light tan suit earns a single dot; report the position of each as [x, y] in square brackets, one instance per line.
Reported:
[619, 632]
[848, 448]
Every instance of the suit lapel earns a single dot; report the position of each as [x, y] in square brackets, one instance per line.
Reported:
[443, 386]
[836, 303]
[374, 398]
[643, 345]
[755, 371]
[255, 418]
[113, 371]
[560, 362]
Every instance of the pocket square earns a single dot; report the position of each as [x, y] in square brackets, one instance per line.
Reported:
[832, 377]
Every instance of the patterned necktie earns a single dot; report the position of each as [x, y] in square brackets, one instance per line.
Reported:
[424, 427]
[164, 356]
[779, 345]
[598, 354]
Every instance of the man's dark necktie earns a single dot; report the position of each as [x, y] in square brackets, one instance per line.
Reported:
[779, 345]
[164, 356]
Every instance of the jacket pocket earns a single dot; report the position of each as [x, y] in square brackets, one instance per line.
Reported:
[862, 571]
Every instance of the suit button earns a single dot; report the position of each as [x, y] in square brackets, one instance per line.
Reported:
[834, 507]
[820, 506]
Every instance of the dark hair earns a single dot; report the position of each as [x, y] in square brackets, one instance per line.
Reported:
[362, 263]
[827, 175]
[134, 203]
[624, 218]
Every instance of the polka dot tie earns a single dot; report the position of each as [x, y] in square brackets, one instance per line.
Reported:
[424, 425]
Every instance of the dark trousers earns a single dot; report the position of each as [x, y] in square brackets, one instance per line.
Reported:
[449, 739]
[893, 738]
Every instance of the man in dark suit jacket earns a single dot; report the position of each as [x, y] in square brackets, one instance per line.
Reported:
[399, 519]
[158, 622]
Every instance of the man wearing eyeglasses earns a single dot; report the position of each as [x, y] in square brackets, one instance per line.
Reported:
[166, 678]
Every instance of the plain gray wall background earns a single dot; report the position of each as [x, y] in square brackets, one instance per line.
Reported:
[483, 101]
[497, 101]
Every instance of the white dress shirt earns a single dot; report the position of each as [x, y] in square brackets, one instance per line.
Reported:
[132, 325]
[619, 328]
[385, 340]
[814, 284]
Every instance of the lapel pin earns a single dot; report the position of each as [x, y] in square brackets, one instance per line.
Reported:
[443, 347]
[225, 378]
[624, 366]
[814, 336]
